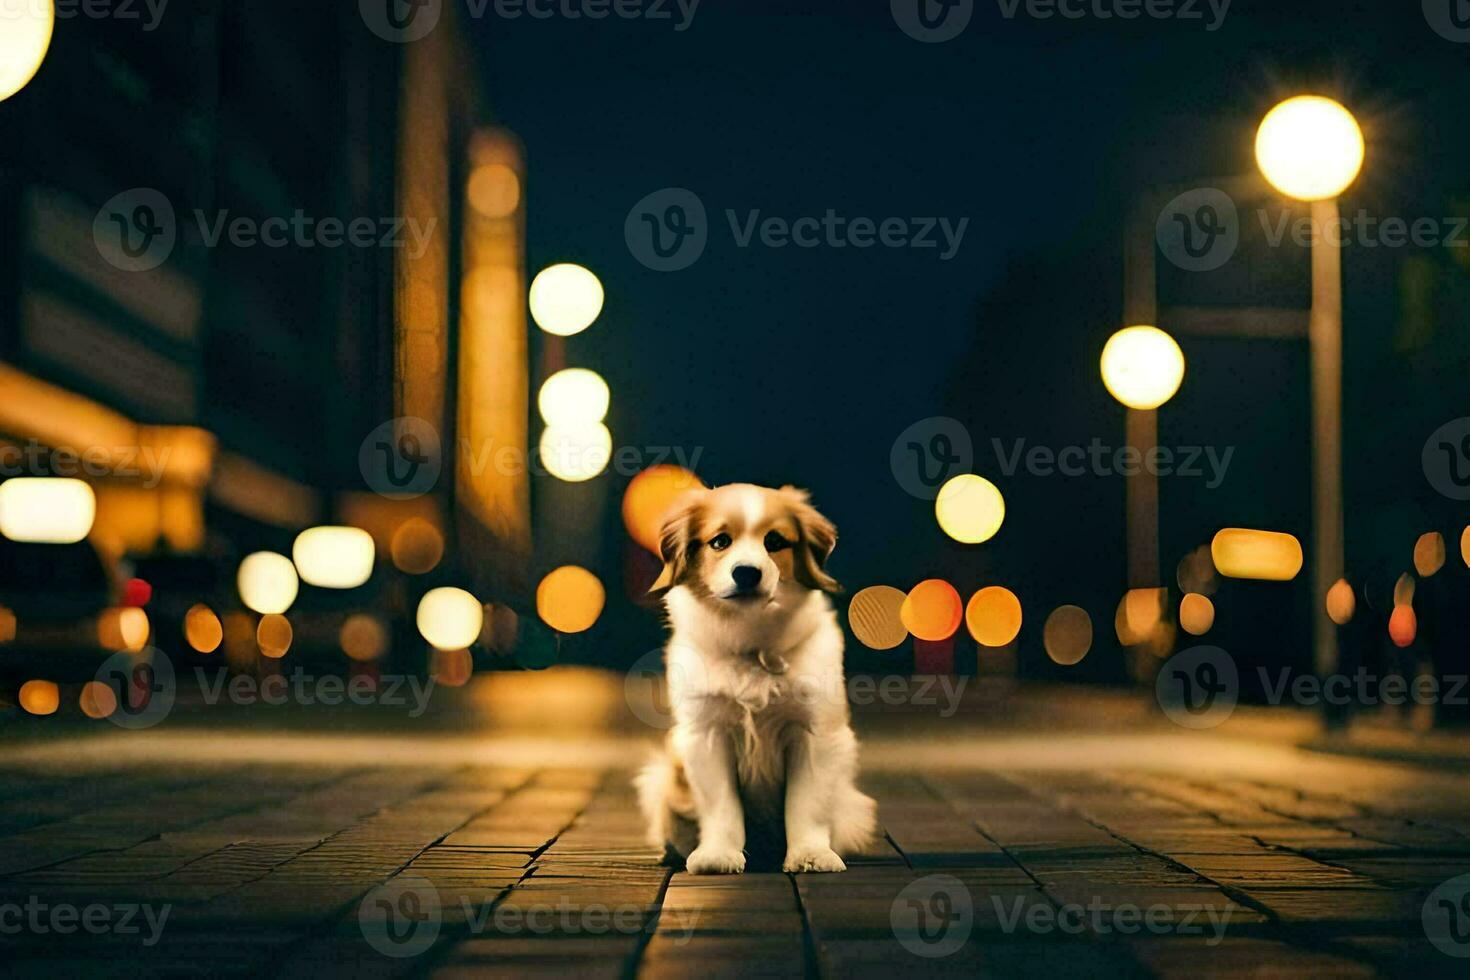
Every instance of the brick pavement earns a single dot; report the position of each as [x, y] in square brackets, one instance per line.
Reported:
[271, 868]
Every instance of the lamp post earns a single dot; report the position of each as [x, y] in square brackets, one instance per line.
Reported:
[1310, 148]
[1142, 367]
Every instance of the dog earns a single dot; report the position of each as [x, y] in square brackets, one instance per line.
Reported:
[761, 759]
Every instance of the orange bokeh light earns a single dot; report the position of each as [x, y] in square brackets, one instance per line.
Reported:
[1403, 626]
[649, 496]
[570, 599]
[994, 616]
[933, 610]
[40, 697]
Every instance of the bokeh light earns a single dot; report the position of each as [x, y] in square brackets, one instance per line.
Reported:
[202, 629]
[46, 510]
[97, 700]
[1403, 626]
[40, 697]
[1196, 572]
[8, 625]
[574, 396]
[1403, 590]
[24, 42]
[1139, 614]
[1142, 366]
[1265, 555]
[126, 629]
[501, 631]
[1310, 148]
[565, 299]
[1465, 546]
[334, 557]
[1196, 614]
[1067, 635]
[970, 509]
[1429, 554]
[451, 668]
[449, 618]
[363, 637]
[569, 599]
[494, 190]
[649, 497]
[876, 617]
[267, 582]
[417, 547]
[932, 610]
[1342, 602]
[273, 636]
[576, 453]
[993, 616]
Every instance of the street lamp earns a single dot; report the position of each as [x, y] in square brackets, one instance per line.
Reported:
[1142, 367]
[24, 43]
[1310, 148]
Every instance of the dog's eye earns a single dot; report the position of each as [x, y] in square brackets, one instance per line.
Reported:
[720, 542]
[775, 542]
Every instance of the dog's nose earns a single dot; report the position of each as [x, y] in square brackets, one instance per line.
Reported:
[746, 577]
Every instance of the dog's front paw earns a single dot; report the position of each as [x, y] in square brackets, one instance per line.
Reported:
[709, 860]
[813, 859]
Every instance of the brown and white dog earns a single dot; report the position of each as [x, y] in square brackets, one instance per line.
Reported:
[761, 756]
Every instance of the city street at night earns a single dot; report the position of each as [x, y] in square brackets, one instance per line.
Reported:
[759, 488]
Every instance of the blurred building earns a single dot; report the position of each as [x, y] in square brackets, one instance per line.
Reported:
[223, 392]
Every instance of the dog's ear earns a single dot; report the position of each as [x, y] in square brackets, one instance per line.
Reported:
[674, 539]
[818, 538]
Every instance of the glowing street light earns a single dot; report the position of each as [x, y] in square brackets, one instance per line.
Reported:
[576, 453]
[46, 510]
[565, 299]
[574, 396]
[267, 583]
[970, 509]
[23, 43]
[1311, 148]
[450, 619]
[334, 557]
[1142, 367]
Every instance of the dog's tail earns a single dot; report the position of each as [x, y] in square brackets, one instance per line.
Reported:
[855, 822]
[667, 804]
